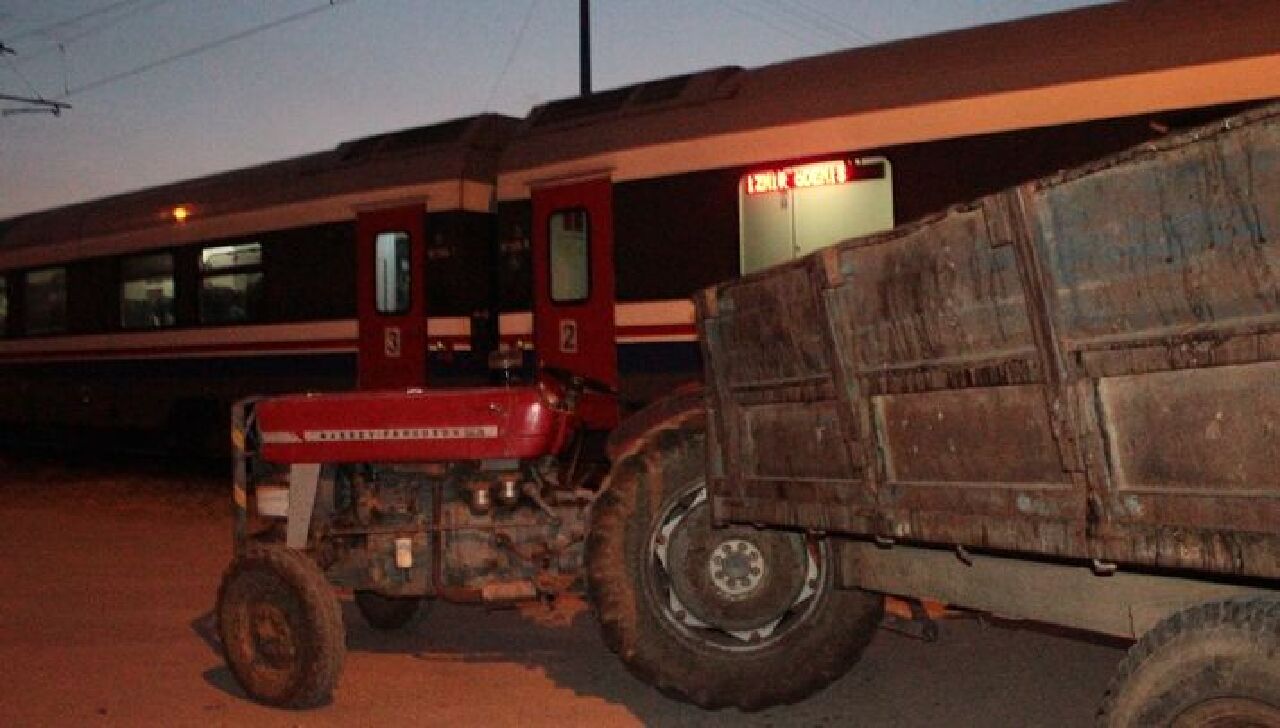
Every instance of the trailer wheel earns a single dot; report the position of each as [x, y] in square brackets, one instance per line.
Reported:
[384, 612]
[720, 617]
[1216, 664]
[281, 627]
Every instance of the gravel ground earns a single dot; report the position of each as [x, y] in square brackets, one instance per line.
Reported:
[109, 575]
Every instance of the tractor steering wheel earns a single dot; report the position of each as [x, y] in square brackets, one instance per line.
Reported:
[575, 385]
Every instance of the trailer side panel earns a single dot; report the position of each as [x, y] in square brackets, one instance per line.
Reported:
[1084, 367]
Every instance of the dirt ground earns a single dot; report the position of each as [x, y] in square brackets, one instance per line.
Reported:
[108, 579]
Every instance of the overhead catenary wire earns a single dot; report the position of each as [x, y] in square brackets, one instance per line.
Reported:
[202, 48]
[763, 20]
[511, 54]
[804, 25]
[21, 76]
[43, 104]
[824, 17]
[801, 26]
[96, 29]
[37, 103]
[47, 29]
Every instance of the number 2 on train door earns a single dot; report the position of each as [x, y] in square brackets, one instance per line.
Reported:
[573, 304]
[569, 336]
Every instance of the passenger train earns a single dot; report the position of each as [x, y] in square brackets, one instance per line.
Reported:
[574, 234]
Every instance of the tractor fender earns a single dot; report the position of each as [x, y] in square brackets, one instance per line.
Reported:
[678, 406]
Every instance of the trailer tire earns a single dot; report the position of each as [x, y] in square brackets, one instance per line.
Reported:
[1213, 664]
[281, 627]
[384, 612]
[719, 658]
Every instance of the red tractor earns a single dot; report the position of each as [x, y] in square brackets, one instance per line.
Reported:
[488, 495]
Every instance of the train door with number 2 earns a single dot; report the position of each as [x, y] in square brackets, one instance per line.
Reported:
[573, 273]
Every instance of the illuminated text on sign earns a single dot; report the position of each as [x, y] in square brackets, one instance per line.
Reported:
[818, 174]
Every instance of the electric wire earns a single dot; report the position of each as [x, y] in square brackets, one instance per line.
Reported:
[826, 18]
[202, 48]
[18, 72]
[61, 46]
[763, 20]
[46, 29]
[802, 25]
[96, 29]
[511, 55]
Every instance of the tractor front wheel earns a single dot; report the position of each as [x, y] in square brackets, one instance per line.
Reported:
[281, 627]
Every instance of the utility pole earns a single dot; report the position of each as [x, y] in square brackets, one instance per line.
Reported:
[584, 45]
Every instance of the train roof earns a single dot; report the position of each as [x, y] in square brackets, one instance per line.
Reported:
[463, 149]
[1126, 39]
[1102, 61]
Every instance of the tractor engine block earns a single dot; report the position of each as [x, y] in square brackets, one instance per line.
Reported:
[490, 531]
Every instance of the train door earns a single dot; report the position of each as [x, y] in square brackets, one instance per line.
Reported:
[391, 294]
[573, 274]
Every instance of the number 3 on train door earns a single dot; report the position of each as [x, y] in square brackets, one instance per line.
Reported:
[573, 270]
[390, 285]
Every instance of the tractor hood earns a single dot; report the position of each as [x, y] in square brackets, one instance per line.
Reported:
[412, 426]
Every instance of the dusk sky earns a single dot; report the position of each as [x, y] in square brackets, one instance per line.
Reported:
[164, 90]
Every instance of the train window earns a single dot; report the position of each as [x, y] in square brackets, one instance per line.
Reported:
[788, 212]
[230, 283]
[393, 283]
[226, 257]
[46, 301]
[4, 305]
[146, 292]
[570, 250]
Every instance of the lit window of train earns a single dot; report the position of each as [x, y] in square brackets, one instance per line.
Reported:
[231, 283]
[570, 259]
[147, 292]
[393, 276]
[789, 212]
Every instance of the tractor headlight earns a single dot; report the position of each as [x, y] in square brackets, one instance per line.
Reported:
[273, 500]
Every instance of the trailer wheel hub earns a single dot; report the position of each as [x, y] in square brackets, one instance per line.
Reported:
[737, 579]
[737, 567]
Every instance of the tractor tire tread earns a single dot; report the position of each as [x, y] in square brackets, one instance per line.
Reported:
[1183, 659]
[320, 611]
[634, 491]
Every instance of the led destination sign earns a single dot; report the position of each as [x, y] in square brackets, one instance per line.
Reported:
[818, 174]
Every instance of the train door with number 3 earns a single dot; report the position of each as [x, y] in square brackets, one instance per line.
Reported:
[573, 301]
[391, 297]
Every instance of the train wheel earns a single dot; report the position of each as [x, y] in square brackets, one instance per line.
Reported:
[384, 612]
[281, 627]
[720, 617]
[1216, 664]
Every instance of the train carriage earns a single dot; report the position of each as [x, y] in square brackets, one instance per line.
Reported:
[403, 259]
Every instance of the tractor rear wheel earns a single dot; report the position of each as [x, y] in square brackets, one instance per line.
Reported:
[281, 627]
[719, 617]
